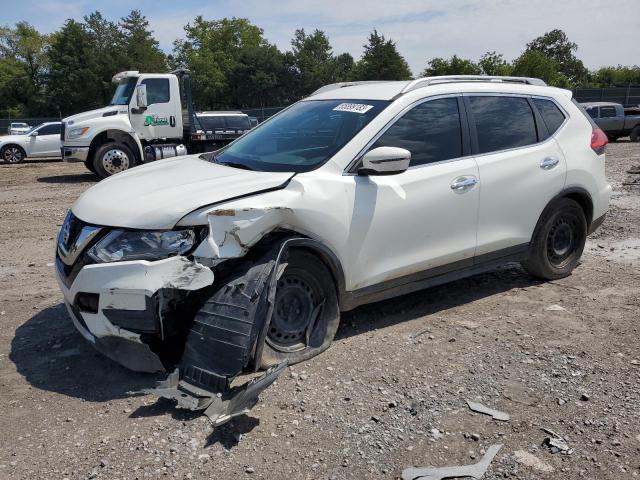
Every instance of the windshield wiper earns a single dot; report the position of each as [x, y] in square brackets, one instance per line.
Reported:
[233, 164]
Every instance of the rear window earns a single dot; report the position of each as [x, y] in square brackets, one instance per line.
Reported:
[503, 122]
[214, 122]
[238, 122]
[551, 114]
[607, 112]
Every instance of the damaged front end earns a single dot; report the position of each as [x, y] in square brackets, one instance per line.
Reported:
[150, 315]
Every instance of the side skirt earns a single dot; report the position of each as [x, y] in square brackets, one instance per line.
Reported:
[432, 277]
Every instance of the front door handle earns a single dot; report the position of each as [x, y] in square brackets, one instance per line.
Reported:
[549, 162]
[464, 183]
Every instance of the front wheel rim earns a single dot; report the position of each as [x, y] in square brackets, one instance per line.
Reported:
[115, 161]
[297, 307]
[12, 155]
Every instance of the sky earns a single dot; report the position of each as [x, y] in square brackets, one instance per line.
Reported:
[607, 32]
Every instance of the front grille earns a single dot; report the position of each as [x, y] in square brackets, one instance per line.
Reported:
[74, 239]
[62, 129]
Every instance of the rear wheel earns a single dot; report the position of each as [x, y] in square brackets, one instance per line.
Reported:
[612, 138]
[305, 314]
[635, 134]
[12, 154]
[558, 241]
[112, 158]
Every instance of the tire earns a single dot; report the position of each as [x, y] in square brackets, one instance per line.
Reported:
[305, 315]
[12, 154]
[612, 138]
[112, 158]
[635, 134]
[558, 241]
[90, 167]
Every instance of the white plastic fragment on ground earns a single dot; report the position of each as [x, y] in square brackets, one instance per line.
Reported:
[496, 414]
[555, 308]
[475, 471]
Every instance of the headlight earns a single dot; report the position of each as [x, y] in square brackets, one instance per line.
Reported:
[120, 245]
[76, 133]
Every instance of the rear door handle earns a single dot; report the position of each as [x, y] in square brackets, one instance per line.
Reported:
[549, 162]
[464, 183]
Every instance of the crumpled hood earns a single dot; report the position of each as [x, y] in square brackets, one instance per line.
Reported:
[159, 194]
[97, 113]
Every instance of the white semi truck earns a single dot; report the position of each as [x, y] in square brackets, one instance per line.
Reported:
[150, 117]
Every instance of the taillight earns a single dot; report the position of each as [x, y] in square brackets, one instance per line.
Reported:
[598, 141]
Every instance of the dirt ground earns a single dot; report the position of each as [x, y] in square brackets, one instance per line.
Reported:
[389, 394]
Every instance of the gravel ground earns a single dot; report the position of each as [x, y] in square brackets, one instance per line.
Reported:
[390, 393]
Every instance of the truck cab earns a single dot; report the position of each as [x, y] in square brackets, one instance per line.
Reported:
[150, 117]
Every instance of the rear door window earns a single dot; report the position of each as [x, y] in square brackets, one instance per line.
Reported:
[551, 114]
[502, 122]
[607, 112]
[431, 131]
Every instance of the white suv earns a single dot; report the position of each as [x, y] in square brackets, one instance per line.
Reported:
[360, 192]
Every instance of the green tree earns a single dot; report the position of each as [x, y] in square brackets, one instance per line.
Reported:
[108, 45]
[556, 46]
[533, 63]
[492, 63]
[454, 66]
[211, 52]
[620, 76]
[140, 47]
[381, 61]
[73, 82]
[315, 63]
[24, 59]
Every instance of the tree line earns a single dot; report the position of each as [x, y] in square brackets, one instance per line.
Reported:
[233, 65]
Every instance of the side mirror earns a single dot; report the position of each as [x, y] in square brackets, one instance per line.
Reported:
[141, 96]
[385, 161]
[34, 133]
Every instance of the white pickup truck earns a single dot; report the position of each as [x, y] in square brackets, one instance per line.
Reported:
[150, 117]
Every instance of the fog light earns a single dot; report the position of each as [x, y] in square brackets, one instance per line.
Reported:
[87, 302]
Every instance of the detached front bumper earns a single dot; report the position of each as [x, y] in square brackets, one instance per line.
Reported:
[126, 303]
[74, 154]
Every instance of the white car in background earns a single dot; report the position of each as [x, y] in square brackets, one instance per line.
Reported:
[18, 128]
[40, 141]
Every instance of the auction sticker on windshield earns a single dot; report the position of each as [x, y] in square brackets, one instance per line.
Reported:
[353, 107]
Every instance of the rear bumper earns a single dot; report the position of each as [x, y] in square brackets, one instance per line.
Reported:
[74, 154]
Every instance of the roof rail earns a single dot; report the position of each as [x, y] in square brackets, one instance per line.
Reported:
[334, 86]
[424, 82]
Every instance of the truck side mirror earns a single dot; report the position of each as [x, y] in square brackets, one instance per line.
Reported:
[141, 96]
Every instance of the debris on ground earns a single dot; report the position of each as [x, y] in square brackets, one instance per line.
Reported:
[476, 470]
[555, 308]
[556, 443]
[496, 414]
[529, 460]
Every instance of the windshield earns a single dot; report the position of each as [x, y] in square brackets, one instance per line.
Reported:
[19, 125]
[238, 122]
[33, 129]
[302, 137]
[123, 92]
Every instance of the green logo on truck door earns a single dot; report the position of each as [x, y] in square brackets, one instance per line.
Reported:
[155, 120]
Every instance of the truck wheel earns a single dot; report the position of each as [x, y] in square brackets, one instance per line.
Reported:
[612, 138]
[635, 134]
[112, 158]
[12, 154]
[90, 167]
[305, 314]
[558, 241]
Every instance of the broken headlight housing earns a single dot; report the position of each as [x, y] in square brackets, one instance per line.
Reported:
[121, 245]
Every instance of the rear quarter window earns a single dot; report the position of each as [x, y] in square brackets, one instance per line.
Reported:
[551, 115]
[503, 122]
